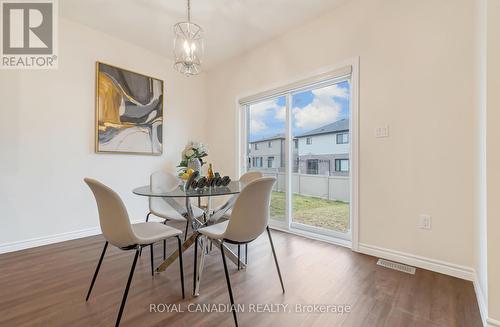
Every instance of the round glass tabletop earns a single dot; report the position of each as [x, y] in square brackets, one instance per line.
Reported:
[233, 187]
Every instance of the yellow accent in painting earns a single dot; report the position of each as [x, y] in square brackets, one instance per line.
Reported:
[109, 101]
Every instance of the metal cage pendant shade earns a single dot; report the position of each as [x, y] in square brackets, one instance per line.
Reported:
[188, 46]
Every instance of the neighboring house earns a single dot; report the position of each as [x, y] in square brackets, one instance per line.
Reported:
[325, 150]
[268, 153]
[322, 151]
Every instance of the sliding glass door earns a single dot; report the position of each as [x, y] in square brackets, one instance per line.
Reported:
[266, 151]
[302, 136]
[321, 154]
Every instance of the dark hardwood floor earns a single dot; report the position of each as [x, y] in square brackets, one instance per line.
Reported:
[46, 286]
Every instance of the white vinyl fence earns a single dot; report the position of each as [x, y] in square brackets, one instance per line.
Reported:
[326, 187]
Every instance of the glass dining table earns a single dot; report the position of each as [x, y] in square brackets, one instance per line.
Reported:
[210, 217]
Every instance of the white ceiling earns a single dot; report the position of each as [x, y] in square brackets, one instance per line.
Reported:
[231, 26]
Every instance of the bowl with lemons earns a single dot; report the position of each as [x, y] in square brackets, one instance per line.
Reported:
[186, 174]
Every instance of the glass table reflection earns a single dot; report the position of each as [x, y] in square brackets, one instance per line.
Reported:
[234, 187]
[211, 217]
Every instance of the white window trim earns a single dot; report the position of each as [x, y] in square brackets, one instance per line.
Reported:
[242, 126]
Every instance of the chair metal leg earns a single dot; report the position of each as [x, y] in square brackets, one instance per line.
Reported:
[165, 244]
[181, 265]
[195, 260]
[147, 218]
[124, 299]
[229, 286]
[246, 253]
[239, 257]
[152, 260]
[97, 270]
[275, 259]
[186, 232]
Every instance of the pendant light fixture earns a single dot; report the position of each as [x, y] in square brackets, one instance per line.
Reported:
[188, 46]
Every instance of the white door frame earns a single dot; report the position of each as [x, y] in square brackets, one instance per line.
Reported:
[242, 131]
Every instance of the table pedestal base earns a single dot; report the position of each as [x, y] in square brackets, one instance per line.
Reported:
[205, 248]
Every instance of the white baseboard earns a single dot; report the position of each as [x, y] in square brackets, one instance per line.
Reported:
[437, 266]
[481, 300]
[51, 239]
[418, 261]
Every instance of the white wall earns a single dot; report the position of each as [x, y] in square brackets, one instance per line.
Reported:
[322, 144]
[416, 74]
[487, 224]
[47, 136]
[263, 148]
[493, 157]
[480, 230]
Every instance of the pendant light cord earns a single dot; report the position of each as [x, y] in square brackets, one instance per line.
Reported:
[189, 10]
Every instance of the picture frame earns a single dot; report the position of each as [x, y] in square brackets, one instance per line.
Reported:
[129, 110]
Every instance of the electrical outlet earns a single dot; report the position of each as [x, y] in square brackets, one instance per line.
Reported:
[425, 222]
[382, 131]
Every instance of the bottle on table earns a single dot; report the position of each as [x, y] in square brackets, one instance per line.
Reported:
[210, 173]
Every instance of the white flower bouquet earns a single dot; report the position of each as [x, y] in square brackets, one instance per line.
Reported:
[192, 151]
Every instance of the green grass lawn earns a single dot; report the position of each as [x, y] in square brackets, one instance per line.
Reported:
[313, 211]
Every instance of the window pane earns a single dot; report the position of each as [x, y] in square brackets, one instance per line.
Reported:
[341, 165]
[344, 165]
[266, 121]
[342, 138]
[320, 184]
[270, 161]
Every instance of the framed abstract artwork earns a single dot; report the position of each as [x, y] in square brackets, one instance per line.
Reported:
[129, 112]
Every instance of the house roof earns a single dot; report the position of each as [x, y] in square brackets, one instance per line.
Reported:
[270, 138]
[338, 126]
[335, 127]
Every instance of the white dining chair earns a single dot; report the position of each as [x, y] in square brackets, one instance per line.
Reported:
[118, 231]
[249, 219]
[170, 209]
[245, 178]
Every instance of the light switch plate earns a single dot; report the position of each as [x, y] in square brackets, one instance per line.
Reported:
[425, 222]
[382, 131]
